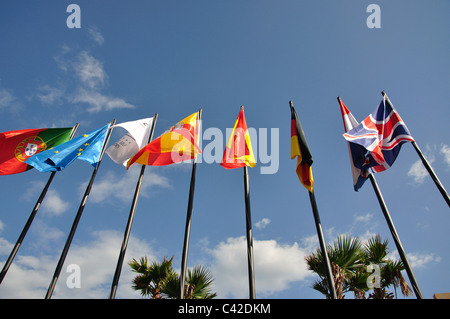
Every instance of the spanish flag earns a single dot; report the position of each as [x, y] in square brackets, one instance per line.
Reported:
[300, 149]
[177, 144]
[238, 151]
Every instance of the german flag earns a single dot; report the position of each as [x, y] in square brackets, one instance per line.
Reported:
[179, 143]
[238, 151]
[300, 149]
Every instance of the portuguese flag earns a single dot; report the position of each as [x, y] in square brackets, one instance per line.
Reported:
[17, 146]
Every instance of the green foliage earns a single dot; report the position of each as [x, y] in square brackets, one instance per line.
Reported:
[159, 280]
[349, 258]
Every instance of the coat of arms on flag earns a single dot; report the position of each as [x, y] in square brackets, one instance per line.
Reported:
[28, 147]
[18, 146]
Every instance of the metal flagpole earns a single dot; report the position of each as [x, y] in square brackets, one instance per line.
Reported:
[323, 247]
[312, 198]
[187, 231]
[30, 219]
[248, 222]
[77, 219]
[428, 167]
[126, 235]
[432, 174]
[396, 238]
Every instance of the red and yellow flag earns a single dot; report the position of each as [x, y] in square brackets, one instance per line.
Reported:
[238, 151]
[300, 149]
[17, 146]
[177, 144]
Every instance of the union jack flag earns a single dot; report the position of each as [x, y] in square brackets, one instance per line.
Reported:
[355, 150]
[382, 134]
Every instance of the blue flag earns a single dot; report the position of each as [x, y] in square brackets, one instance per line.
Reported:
[87, 148]
[381, 134]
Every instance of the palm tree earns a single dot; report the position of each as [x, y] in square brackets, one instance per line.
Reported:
[349, 259]
[376, 251]
[345, 256]
[151, 278]
[159, 280]
[197, 286]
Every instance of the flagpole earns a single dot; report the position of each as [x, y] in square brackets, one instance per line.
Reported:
[187, 231]
[429, 168]
[30, 219]
[248, 222]
[126, 235]
[312, 198]
[77, 218]
[432, 174]
[323, 247]
[396, 238]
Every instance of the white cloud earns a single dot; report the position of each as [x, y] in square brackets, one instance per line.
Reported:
[29, 276]
[52, 204]
[49, 95]
[90, 78]
[90, 71]
[95, 35]
[417, 260]
[99, 102]
[422, 260]
[6, 98]
[46, 235]
[364, 218]
[9, 102]
[445, 150]
[276, 267]
[60, 60]
[262, 223]
[418, 172]
[112, 188]
[5, 247]
[97, 261]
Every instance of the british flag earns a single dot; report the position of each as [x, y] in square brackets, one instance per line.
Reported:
[355, 150]
[382, 134]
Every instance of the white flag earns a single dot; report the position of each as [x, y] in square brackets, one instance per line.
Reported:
[137, 136]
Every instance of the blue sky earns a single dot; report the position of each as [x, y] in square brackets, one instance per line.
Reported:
[130, 60]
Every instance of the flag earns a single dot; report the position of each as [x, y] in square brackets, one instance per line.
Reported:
[300, 149]
[129, 144]
[355, 150]
[87, 148]
[238, 151]
[17, 146]
[177, 144]
[382, 134]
